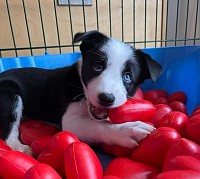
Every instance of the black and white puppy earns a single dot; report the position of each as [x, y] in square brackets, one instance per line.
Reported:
[78, 97]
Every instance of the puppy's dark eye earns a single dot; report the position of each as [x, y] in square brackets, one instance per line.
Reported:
[127, 77]
[98, 66]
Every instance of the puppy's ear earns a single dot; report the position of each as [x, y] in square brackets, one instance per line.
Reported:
[151, 68]
[88, 37]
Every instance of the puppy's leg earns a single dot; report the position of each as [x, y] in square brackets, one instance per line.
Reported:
[77, 120]
[11, 107]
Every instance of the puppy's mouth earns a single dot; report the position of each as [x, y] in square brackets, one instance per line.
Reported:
[98, 113]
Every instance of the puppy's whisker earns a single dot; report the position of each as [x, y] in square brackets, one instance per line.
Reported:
[76, 86]
[82, 100]
[128, 97]
[78, 96]
[77, 90]
[94, 85]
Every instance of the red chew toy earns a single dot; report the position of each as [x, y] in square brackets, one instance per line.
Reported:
[117, 150]
[182, 147]
[195, 112]
[59, 144]
[4, 146]
[15, 164]
[183, 162]
[31, 123]
[179, 174]
[81, 162]
[193, 127]
[156, 96]
[126, 168]
[41, 144]
[133, 110]
[30, 134]
[177, 96]
[176, 120]
[161, 110]
[41, 171]
[139, 94]
[178, 106]
[156, 144]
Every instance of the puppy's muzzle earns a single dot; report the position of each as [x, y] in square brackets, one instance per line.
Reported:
[105, 101]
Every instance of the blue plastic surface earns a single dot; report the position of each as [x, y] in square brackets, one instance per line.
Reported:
[181, 69]
[43, 61]
[181, 72]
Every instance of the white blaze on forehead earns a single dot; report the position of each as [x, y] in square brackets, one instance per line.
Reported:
[110, 80]
[117, 52]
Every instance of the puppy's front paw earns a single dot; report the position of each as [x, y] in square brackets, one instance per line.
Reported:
[140, 130]
[129, 134]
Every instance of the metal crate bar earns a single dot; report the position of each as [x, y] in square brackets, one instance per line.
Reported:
[27, 27]
[186, 23]
[122, 12]
[11, 27]
[145, 23]
[196, 21]
[71, 26]
[110, 17]
[41, 20]
[57, 27]
[166, 22]
[177, 18]
[97, 15]
[84, 16]
[162, 21]
[133, 21]
[156, 25]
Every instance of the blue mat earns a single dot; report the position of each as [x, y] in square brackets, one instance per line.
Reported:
[47, 61]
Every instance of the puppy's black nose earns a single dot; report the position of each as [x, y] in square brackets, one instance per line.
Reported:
[106, 99]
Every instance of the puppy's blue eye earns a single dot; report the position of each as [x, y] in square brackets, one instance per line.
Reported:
[98, 67]
[127, 77]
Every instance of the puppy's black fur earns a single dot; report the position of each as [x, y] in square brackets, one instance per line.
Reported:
[45, 93]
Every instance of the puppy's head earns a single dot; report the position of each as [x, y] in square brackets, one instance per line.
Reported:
[111, 71]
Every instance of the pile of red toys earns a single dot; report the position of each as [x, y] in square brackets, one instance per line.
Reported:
[170, 151]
